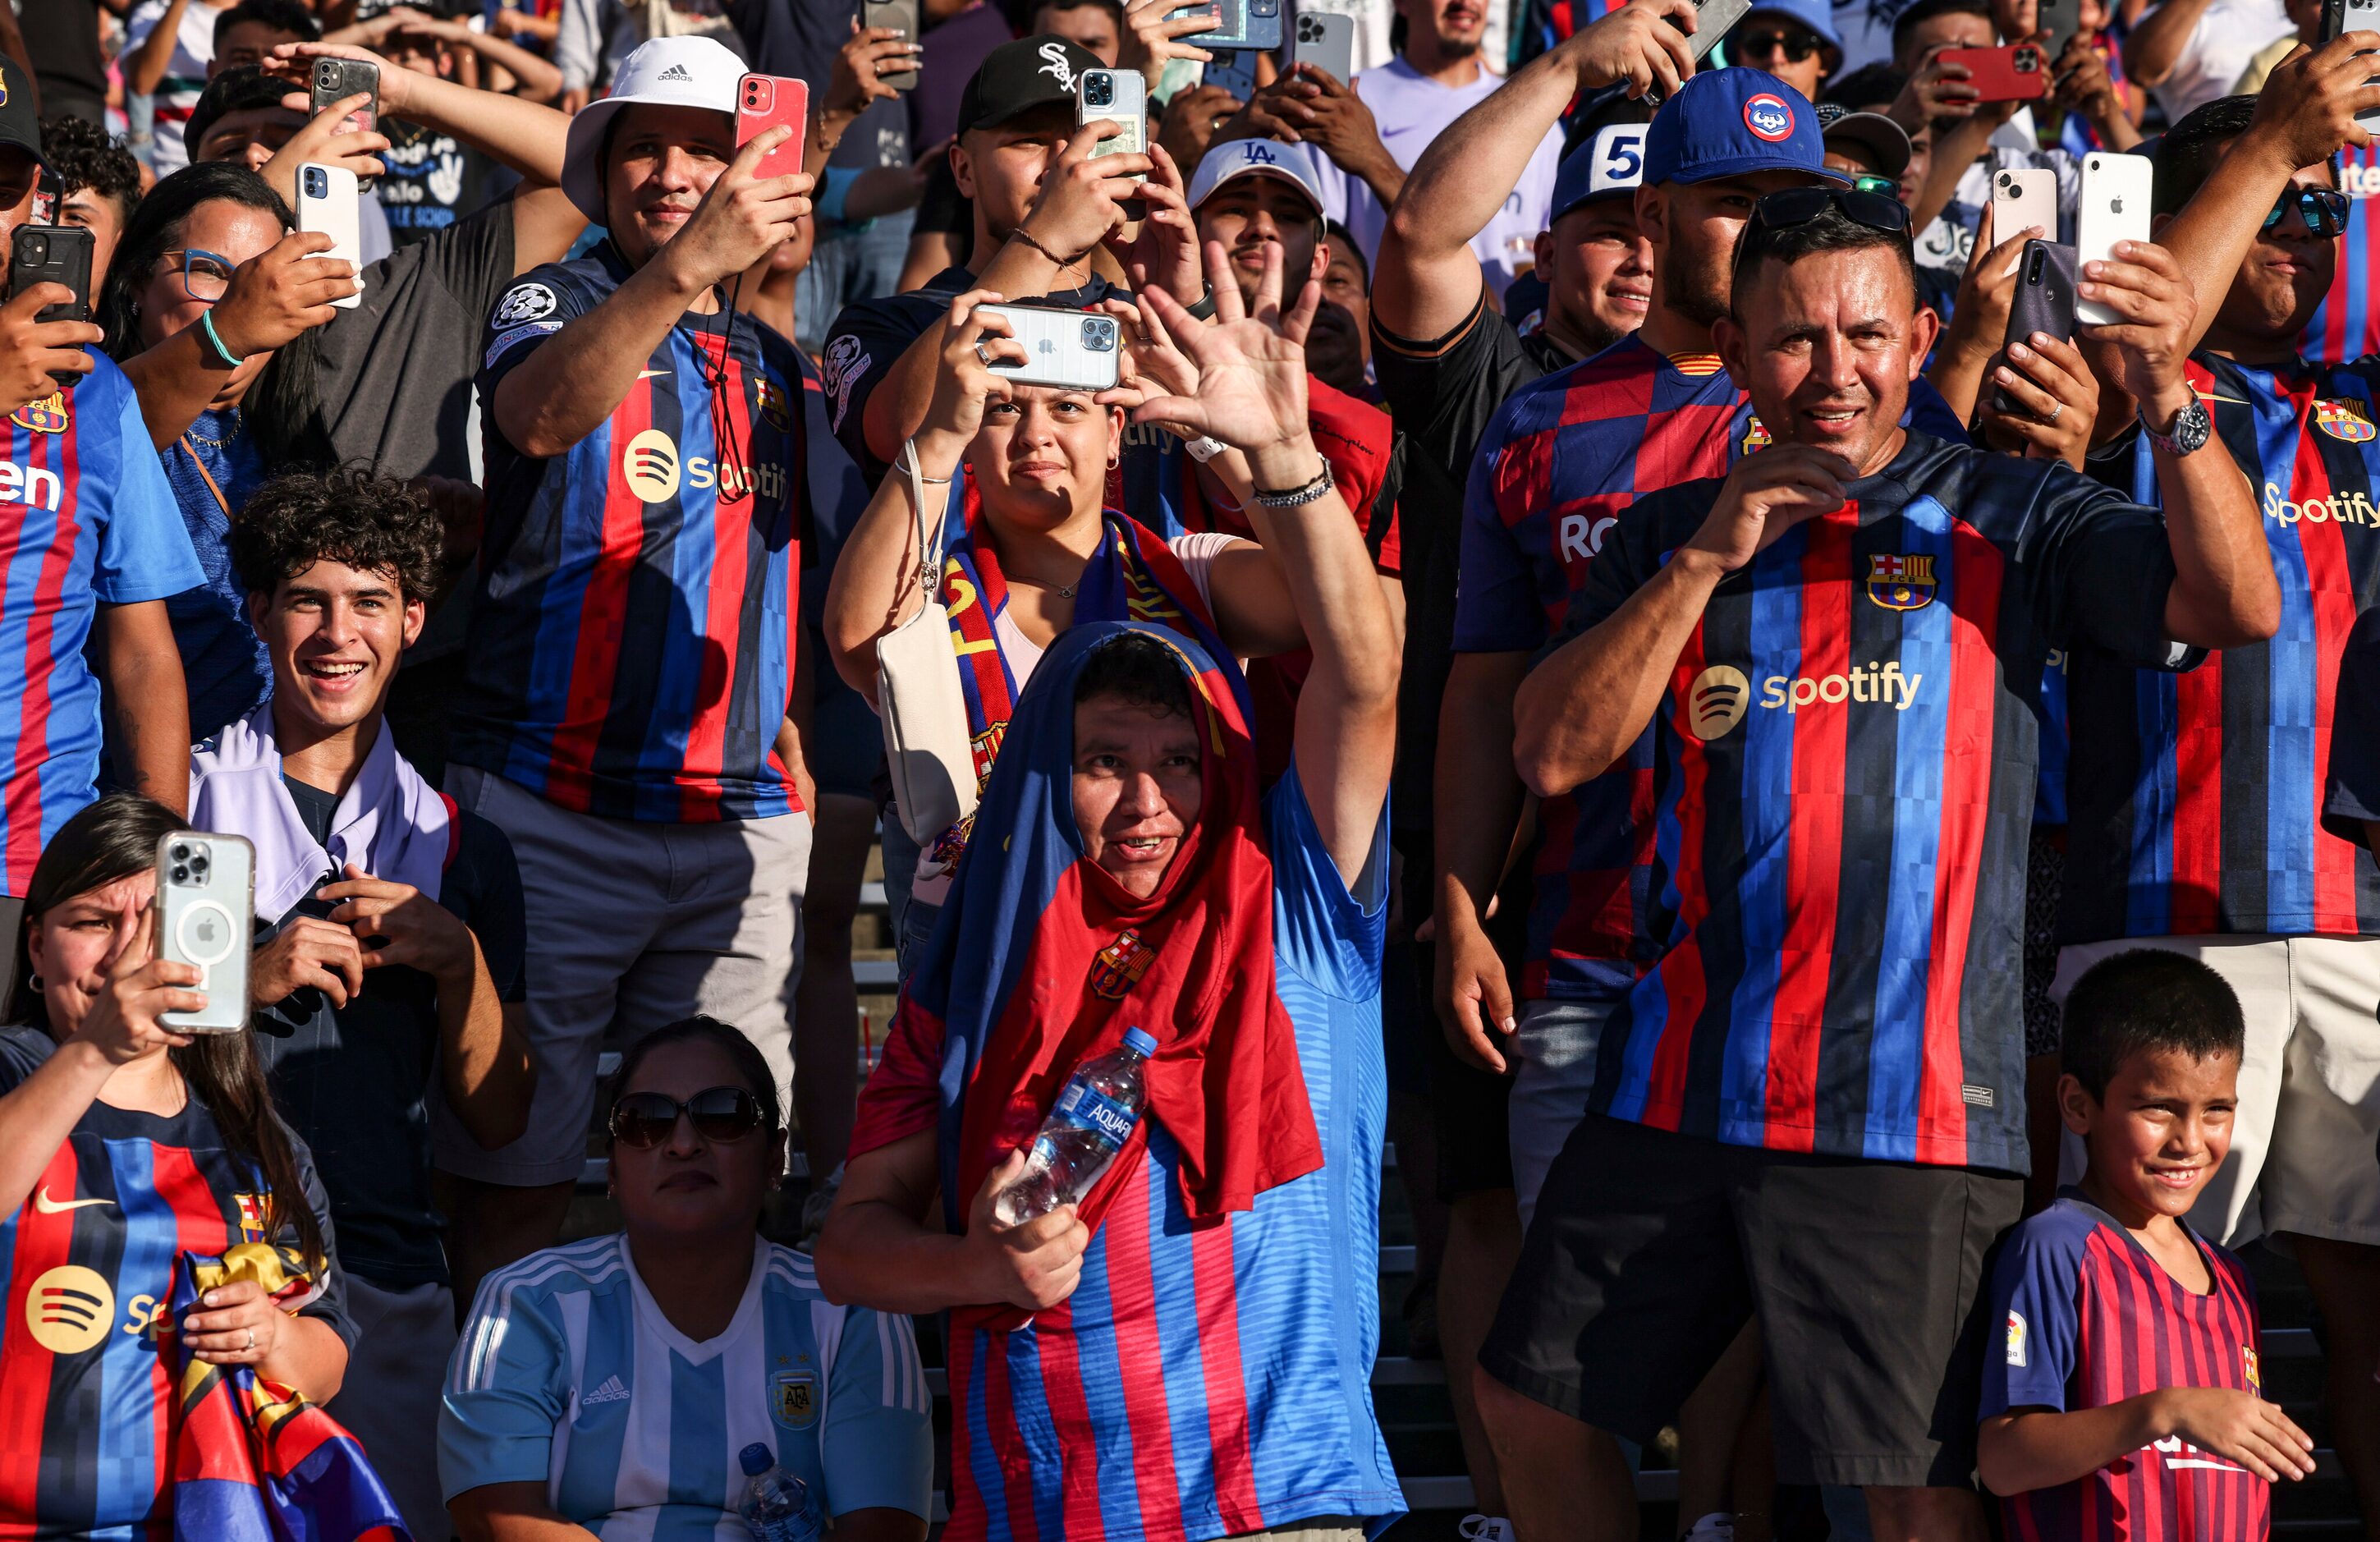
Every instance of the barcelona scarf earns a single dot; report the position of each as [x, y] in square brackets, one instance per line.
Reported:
[1131, 576]
[1042, 960]
[253, 1460]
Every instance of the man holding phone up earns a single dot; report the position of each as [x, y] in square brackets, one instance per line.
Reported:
[2196, 802]
[633, 642]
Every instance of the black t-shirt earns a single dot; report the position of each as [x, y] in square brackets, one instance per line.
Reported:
[434, 179]
[357, 1081]
[62, 37]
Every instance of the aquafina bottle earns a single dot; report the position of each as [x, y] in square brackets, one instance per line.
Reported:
[777, 1505]
[1093, 1119]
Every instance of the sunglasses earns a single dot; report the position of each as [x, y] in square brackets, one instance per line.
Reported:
[1868, 183]
[1796, 43]
[1792, 206]
[720, 1114]
[2324, 210]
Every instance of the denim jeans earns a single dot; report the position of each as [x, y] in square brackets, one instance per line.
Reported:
[1556, 1046]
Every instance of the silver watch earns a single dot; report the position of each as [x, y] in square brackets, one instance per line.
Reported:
[2190, 430]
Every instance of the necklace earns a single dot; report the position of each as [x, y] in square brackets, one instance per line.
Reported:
[198, 438]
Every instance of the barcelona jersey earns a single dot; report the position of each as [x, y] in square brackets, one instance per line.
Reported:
[2346, 325]
[2194, 798]
[89, 1259]
[1843, 780]
[633, 634]
[2085, 1318]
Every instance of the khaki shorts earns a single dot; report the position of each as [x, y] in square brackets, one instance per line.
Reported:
[2302, 1142]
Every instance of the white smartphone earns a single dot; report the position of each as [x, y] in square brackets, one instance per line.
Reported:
[2115, 208]
[1075, 349]
[1327, 40]
[330, 201]
[2025, 197]
[1120, 95]
[205, 907]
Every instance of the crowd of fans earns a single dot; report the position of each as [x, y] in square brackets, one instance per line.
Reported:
[1581, 645]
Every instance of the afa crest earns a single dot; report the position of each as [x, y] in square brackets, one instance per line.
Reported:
[1901, 583]
[1755, 436]
[50, 414]
[1120, 965]
[793, 1398]
[2344, 419]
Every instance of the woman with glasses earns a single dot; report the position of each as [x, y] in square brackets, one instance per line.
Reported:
[210, 252]
[612, 1386]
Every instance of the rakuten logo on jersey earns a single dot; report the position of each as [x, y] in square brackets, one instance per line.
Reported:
[1719, 697]
[23, 485]
[1581, 535]
[2352, 508]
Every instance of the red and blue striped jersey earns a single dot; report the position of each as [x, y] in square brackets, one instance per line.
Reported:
[2346, 326]
[89, 520]
[633, 634]
[1560, 460]
[2195, 797]
[1844, 782]
[2088, 1319]
[90, 1258]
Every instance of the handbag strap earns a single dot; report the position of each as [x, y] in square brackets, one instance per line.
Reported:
[929, 529]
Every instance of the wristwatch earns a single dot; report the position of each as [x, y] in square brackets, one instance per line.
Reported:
[2190, 430]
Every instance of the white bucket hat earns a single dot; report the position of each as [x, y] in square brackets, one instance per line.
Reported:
[668, 72]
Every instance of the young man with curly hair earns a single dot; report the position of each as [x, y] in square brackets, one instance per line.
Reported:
[391, 932]
[99, 185]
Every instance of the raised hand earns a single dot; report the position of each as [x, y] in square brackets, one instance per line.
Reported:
[1767, 495]
[2143, 285]
[743, 216]
[276, 296]
[122, 1021]
[1154, 31]
[2307, 108]
[1251, 385]
[32, 350]
[966, 382]
[2050, 382]
[1642, 43]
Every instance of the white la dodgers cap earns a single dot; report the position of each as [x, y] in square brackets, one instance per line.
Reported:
[1294, 163]
[668, 72]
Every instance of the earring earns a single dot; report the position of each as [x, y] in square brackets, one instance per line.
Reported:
[1114, 461]
[33, 984]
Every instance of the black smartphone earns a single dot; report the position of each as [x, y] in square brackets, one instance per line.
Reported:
[2044, 302]
[2340, 17]
[54, 254]
[1234, 69]
[336, 79]
[901, 16]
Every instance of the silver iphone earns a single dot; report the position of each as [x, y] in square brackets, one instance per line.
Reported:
[1074, 350]
[206, 905]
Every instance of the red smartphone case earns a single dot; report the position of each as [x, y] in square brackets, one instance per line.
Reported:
[763, 102]
[2017, 73]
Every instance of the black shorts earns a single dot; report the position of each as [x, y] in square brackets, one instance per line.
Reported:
[1650, 1250]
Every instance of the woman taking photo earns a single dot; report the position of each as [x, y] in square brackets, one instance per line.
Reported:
[620, 1380]
[123, 1145]
[1031, 550]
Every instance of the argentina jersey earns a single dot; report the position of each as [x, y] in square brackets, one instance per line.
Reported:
[570, 1375]
[633, 636]
[1844, 786]
[2194, 798]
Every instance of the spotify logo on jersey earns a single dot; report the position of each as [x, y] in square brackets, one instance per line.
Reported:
[69, 1309]
[1717, 701]
[649, 464]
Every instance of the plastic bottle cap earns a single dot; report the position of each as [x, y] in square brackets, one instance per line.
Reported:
[757, 1459]
[1140, 1042]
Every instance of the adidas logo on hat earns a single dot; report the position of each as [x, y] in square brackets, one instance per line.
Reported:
[674, 72]
[611, 1392]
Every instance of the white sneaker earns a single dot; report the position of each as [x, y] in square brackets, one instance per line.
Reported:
[1486, 1528]
[1716, 1526]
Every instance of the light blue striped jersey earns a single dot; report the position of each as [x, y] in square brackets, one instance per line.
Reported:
[570, 1375]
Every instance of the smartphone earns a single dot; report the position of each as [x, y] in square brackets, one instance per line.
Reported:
[328, 200]
[2060, 20]
[902, 17]
[1234, 69]
[2342, 16]
[54, 254]
[1327, 40]
[2115, 208]
[1253, 25]
[1713, 21]
[1121, 96]
[2017, 73]
[2022, 199]
[336, 79]
[2043, 302]
[765, 102]
[1072, 349]
[205, 906]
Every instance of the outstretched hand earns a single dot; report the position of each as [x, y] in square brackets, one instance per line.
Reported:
[1251, 365]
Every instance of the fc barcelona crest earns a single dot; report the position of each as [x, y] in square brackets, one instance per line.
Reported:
[2342, 418]
[47, 416]
[1901, 583]
[2254, 1373]
[1120, 965]
[773, 404]
[252, 1216]
[793, 1398]
[1756, 435]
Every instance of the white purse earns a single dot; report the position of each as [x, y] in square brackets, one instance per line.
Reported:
[928, 745]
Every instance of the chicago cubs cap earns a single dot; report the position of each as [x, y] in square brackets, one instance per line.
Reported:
[1293, 164]
[1734, 122]
[1019, 76]
[668, 72]
[1609, 165]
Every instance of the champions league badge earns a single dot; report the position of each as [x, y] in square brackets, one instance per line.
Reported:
[1901, 583]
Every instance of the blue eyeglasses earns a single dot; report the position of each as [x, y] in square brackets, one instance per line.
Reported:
[2322, 209]
[205, 274]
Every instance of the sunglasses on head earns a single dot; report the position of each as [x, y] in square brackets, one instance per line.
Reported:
[1871, 207]
[2322, 209]
[720, 1114]
[1796, 43]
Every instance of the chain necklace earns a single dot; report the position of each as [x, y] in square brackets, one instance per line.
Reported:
[198, 438]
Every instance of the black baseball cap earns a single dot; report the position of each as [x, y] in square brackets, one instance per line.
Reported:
[1017, 77]
[19, 126]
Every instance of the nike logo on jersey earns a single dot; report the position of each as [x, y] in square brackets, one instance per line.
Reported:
[647, 375]
[611, 1392]
[44, 1205]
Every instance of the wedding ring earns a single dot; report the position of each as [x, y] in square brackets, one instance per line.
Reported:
[251, 1339]
[983, 353]
[2055, 410]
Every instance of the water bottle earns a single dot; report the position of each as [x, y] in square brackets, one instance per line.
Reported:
[1083, 1133]
[777, 1505]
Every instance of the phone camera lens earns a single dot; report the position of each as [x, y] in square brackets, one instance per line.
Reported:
[2027, 61]
[37, 247]
[1098, 334]
[181, 854]
[181, 875]
[1098, 91]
